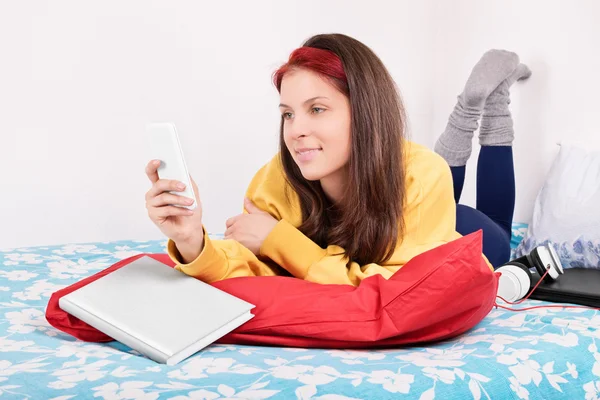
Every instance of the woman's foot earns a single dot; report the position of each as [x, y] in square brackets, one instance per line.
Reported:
[494, 67]
[496, 122]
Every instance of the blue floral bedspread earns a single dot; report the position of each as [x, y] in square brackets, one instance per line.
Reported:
[542, 353]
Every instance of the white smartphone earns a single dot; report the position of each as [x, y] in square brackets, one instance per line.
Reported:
[163, 145]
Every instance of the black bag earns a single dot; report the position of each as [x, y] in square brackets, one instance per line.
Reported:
[576, 285]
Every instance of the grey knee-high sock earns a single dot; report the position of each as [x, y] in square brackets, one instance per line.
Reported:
[455, 143]
[496, 122]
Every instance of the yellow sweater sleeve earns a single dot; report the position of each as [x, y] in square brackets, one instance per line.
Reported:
[221, 259]
[303, 258]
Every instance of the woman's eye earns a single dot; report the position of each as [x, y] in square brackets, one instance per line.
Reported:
[317, 110]
[287, 115]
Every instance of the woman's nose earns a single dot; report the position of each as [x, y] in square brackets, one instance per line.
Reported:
[299, 128]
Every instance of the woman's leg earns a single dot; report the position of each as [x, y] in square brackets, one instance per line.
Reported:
[495, 202]
[495, 167]
[455, 143]
[458, 180]
[496, 243]
[496, 185]
[495, 170]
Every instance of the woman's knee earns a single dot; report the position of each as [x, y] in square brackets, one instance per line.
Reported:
[496, 243]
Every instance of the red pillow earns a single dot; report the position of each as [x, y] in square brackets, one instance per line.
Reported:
[437, 295]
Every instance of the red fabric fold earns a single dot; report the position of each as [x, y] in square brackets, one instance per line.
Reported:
[437, 295]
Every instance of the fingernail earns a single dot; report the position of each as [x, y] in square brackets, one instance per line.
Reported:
[180, 186]
[156, 162]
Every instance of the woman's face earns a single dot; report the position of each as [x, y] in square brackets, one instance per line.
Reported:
[316, 125]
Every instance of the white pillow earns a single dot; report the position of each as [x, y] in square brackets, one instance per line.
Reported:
[567, 208]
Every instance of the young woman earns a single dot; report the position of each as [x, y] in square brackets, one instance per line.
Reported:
[348, 196]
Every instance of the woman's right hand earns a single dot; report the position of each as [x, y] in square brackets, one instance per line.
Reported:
[179, 224]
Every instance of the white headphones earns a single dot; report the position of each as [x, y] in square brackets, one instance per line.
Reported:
[516, 278]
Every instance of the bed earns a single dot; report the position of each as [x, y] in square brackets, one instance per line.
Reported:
[542, 353]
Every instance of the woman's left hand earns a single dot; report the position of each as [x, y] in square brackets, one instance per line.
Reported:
[250, 229]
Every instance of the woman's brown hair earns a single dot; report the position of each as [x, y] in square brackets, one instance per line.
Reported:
[369, 221]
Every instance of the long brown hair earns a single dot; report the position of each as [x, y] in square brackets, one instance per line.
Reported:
[369, 221]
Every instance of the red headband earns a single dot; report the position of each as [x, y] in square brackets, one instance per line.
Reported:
[324, 62]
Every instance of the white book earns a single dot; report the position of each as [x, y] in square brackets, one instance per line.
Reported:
[157, 310]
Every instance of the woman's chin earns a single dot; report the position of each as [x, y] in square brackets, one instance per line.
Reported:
[310, 174]
[312, 177]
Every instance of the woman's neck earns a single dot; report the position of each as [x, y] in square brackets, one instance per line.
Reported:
[334, 186]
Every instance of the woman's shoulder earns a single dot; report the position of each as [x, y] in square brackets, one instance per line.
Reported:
[270, 178]
[423, 162]
[271, 192]
[417, 154]
[426, 173]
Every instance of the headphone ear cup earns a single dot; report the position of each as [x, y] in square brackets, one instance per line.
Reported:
[515, 281]
[555, 259]
[537, 263]
[550, 265]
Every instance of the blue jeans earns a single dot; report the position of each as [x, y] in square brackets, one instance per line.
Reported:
[495, 202]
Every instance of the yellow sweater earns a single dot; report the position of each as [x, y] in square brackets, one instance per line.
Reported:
[430, 220]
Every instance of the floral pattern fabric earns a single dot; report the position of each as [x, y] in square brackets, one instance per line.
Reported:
[543, 353]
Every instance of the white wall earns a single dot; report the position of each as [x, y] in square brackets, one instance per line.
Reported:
[79, 80]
